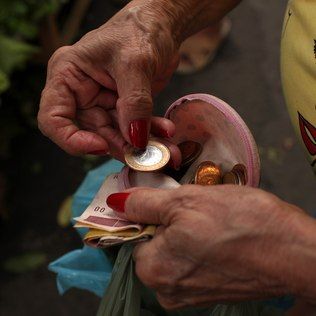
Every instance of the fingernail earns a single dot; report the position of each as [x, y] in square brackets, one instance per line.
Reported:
[138, 133]
[116, 201]
[97, 153]
[164, 133]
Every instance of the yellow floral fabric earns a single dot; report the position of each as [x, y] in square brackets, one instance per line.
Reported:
[298, 70]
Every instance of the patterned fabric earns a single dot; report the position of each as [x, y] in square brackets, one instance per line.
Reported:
[298, 69]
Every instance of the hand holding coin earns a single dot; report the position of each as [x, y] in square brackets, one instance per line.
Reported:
[154, 157]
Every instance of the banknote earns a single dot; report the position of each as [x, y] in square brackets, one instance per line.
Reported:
[102, 239]
[105, 227]
[99, 215]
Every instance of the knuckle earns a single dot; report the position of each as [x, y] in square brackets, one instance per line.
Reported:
[267, 200]
[138, 101]
[59, 54]
[143, 274]
[144, 58]
[167, 302]
[168, 283]
[148, 272]
[71, 151]
[40, 123]
[184, 197]
[133, 204]
[273, 204]
[91, 34]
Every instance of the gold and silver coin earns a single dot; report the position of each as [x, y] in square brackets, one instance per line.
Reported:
[231, 178]
[154, 157]
[241, 172]
[238, 175]
[190, 151]
[208, 173]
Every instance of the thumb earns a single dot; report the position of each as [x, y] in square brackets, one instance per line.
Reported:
[134, 106]
[145, 206]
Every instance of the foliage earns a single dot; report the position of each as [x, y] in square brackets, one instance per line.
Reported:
[25, 262]
[64, 213]
[13, 54]
[20, 17]
[19, 24]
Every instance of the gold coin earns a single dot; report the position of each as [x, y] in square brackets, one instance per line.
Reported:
[190, 150]
[154, 157]
[241, 172]
[231, 178]
[208, 173]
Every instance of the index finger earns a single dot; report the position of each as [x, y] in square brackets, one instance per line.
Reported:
[145, 206]
[56, 120]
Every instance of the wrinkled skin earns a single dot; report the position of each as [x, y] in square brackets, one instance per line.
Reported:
[213, 244]
[221, 243]
[97, 86]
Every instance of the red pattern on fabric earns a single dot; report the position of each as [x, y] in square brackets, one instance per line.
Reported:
[309, 139]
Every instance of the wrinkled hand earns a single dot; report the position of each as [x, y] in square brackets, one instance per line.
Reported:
[98, 93]
[215, 244]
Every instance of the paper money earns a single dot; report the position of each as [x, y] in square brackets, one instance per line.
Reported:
[99, 215]
[105, 227]
[101, 238]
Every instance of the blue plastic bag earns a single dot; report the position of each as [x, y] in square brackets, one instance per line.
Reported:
[86, 268]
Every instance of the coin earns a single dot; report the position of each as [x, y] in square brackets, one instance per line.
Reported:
[231, 178]
[154, 157]
[208, 173]
[241, 171]
[190, 150]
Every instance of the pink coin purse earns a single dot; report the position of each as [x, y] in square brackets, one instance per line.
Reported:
[225, 138]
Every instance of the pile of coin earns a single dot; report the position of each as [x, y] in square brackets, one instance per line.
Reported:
[156, 156]
[238, 175]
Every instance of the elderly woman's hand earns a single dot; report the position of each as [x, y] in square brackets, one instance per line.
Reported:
[221, 243]
[98, 94]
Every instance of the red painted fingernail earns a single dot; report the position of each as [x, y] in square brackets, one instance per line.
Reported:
[116, 201]
[98, 153]
[138, 133]
[164, 133]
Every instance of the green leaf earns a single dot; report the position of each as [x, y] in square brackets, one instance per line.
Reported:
[14, 53]
[46, 8]
[25, 262]
[4, 82]
[91, 158]
[64, 214]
